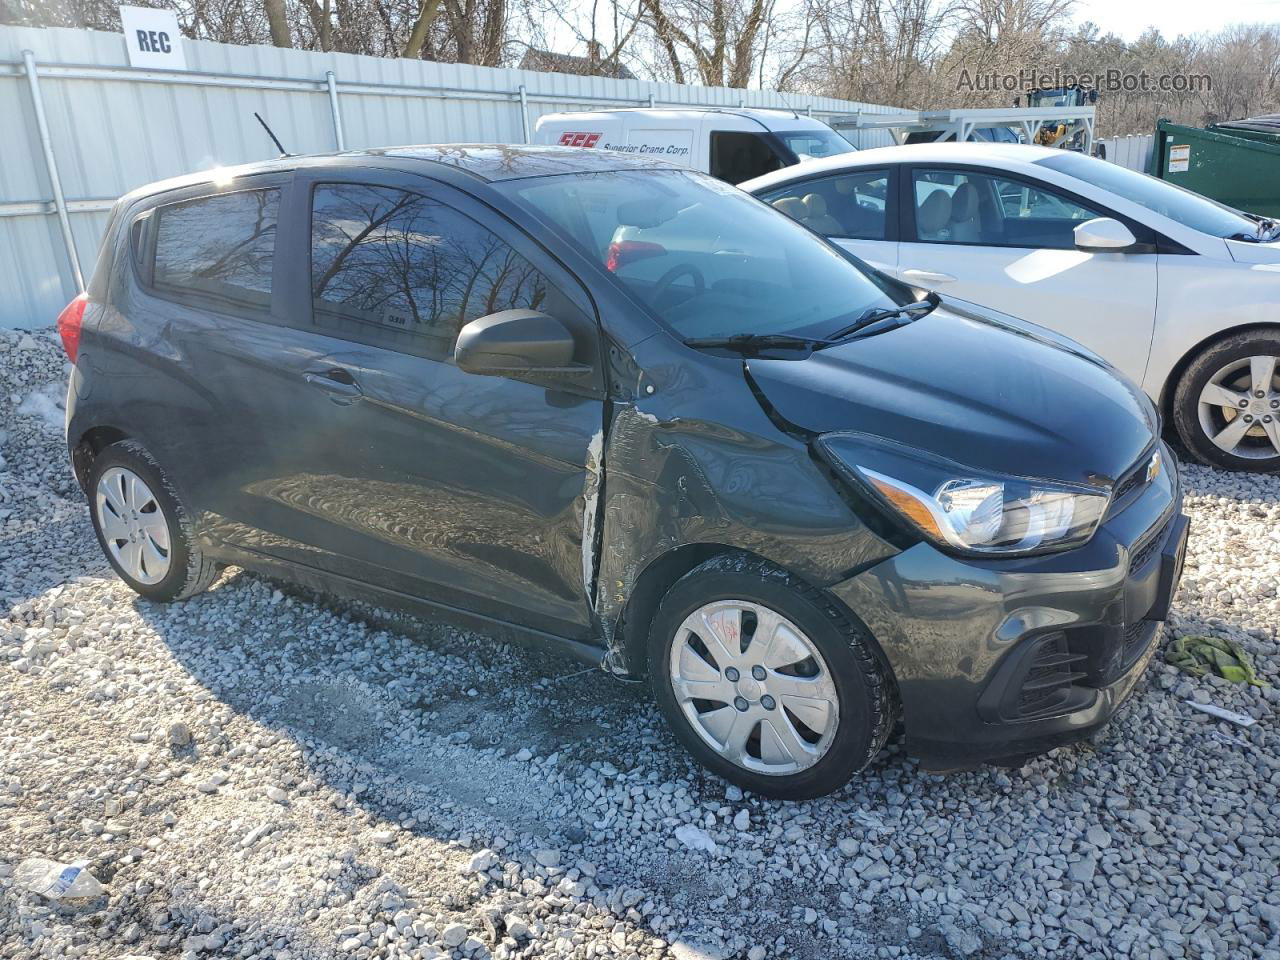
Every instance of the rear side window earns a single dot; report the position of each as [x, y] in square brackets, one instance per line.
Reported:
[848, 205]
[405, 272]
[736, 157]
[218, 249]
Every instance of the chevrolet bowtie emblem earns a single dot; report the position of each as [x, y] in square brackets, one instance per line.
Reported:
[1153, 467]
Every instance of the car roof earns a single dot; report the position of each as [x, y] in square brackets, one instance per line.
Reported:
[1009, 156]
[487, 162]
[769, 117]
[493, 162]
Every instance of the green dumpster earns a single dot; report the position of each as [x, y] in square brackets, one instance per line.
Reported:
[1265, 129]
[1237, 163]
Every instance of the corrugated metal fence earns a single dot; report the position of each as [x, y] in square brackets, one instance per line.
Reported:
[111, 128]
[1133, 152]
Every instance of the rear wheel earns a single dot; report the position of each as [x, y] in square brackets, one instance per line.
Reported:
[1227, 404]
[141, 526]
[765, 682]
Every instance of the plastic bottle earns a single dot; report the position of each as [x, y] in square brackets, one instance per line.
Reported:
[57, 881]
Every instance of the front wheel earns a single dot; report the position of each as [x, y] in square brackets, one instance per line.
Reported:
[1227, 404]
[765, 682]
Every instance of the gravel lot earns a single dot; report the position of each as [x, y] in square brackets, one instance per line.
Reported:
[252, 773]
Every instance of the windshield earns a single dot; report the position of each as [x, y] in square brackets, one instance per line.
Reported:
[1159, 196]
[1067, 99]
[812, 144]
[705, 258]
[996, 135]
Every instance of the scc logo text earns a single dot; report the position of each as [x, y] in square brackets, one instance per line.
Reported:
[579, 139]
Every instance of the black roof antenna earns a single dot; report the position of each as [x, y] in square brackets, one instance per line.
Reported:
[794, 112]
[274, 138]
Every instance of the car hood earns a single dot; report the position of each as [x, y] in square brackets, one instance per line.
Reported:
[968, 385]
[1244, 251]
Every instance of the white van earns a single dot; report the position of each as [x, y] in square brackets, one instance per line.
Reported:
[732, 144]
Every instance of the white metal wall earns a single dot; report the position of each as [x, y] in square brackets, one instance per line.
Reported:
[112, 128]
[1133, 152]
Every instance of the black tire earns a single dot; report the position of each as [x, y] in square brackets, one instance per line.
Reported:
[864, 686]
[1186, 403]
[190, 572]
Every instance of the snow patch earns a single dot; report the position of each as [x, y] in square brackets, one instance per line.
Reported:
[695, 838]
[48, 404]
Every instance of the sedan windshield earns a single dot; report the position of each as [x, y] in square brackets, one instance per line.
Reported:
[1159, 196]
[705, 258]
[812, 144]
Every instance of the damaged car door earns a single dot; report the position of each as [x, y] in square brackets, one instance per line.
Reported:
[464, 489]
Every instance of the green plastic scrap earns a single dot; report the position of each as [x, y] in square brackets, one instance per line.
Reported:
[1200, 655]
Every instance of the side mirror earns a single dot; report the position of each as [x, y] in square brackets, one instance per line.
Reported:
[1104, 235]
[515, 342]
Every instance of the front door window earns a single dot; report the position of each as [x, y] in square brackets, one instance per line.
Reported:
[955, 206]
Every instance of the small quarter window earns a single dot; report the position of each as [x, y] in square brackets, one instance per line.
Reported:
[218, 248]
[138, 237]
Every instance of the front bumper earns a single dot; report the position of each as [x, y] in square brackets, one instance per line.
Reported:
[999, 660]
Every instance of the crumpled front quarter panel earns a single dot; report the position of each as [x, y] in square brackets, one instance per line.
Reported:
[699, 461]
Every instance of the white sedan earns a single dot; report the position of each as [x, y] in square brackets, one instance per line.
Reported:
[1180, 293]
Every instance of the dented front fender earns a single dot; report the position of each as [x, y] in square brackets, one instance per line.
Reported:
[692, 457]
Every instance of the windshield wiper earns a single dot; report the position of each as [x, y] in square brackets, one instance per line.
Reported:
[905, 314]
[1268, 229]
[755, 342]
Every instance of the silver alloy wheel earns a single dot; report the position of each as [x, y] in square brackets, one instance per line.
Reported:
[754, 687]
[1240, 408]
[133, 525]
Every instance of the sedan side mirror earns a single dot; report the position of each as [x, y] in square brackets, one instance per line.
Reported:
[1104, 235]
[512, 342]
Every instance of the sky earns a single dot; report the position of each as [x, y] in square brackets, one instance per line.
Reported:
[1129, 18]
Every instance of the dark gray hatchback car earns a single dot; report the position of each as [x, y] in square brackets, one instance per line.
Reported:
[633, 412]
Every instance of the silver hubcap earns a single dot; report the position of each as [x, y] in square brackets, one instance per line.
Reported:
[754, 687]
[133, 525]
[1240, 408]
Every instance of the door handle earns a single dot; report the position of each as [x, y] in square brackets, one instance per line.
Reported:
[926, 277]
[338, 383]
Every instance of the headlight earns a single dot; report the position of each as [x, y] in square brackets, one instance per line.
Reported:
[965, 509]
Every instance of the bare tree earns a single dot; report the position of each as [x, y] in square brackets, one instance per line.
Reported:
[999, 21]
[603, 35]
[789, 42]
[421, 26]
[278, 19]
[1244, 64]
[718, 40]
[880, 51]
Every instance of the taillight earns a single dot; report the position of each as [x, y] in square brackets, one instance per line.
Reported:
[622, 252]
[69, 321]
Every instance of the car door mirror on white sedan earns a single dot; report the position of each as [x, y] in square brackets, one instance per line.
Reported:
[1104, 235]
